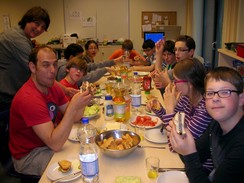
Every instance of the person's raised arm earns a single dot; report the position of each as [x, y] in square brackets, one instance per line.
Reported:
[55, 138]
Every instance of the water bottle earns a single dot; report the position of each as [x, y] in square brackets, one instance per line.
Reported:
[136, 93]
[88, 152]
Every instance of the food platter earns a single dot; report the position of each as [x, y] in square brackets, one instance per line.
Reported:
[148, 123]
[155, 136]
[53, 172]
[173, 176]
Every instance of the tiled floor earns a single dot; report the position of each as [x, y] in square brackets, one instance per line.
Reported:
[4, 178]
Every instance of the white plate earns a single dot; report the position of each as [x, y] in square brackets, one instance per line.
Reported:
[73, 135]
[154, 118]
[142, 73]
[173, 176]
[53, 173]
[154, 135]
[92, 116]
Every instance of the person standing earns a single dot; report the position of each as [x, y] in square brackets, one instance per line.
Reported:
[15, 47]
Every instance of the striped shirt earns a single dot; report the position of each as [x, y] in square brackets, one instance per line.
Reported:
[197, 119]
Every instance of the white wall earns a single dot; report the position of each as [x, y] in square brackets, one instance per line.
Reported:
[111, 18]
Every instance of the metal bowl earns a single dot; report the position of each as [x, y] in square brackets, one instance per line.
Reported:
[117, 134]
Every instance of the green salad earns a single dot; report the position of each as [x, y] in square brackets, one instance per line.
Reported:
[92, 110]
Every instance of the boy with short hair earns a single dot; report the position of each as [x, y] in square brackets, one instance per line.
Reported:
[76, 68]
[224, 139]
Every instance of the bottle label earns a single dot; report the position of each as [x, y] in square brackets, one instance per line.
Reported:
[136, 100]
[109, 110]
[89, 168]
[147, 83]
[119, 110]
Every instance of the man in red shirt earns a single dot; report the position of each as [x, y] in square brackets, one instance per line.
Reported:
[34, 136]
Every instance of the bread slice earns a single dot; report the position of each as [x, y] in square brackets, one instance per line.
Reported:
[179, 120]
[64, 165]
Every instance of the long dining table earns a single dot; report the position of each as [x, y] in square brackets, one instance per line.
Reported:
[131, 165]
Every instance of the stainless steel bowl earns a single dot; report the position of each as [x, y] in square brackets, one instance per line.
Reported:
[117, 134]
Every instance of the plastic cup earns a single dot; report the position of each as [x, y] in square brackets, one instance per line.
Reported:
[109, 87]
[152, 165]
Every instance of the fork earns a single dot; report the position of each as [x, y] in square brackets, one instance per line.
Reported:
[156, 147]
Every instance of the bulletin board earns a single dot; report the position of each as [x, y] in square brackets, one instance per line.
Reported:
[151, 19]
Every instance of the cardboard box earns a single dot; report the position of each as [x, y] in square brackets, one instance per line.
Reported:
[68, 40]
[240, 50]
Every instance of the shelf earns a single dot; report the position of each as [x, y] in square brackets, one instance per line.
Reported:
[226, 57]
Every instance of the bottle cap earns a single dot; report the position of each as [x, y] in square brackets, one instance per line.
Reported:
[147, 92]
[108, 97]
[118, 79]
[85, 120]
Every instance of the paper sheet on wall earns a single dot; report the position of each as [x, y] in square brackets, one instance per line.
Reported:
[6, 22]
[88, 21]
[147, 27]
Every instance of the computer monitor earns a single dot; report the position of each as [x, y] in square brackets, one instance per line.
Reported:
[155, 36]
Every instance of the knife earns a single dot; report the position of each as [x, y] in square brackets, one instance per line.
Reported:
[66, 176]
[180, 124]
[170, 169]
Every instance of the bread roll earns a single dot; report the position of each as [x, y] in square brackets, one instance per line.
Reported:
[179, 120]
[64, 165]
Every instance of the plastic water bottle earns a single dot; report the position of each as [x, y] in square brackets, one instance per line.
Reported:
[88, 152]
[136, 93]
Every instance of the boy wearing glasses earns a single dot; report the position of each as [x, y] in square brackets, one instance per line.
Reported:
[224, 138]
[184, 48]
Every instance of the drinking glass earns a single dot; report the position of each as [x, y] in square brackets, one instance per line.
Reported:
[152, 165]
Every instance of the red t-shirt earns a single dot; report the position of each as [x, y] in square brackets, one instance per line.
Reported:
[30, 107]
[67, 84]
[120, 52]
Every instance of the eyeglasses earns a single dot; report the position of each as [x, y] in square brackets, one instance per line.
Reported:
[179, 81]
[181, 49]
[221, 93]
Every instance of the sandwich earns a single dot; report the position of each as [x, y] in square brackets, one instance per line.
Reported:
[88, 86]
[179, 121]
[64, 166]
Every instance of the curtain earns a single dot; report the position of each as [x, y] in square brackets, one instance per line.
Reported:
[189, 17]
[230, 26]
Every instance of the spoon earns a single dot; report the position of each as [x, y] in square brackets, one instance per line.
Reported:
[156, 147]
